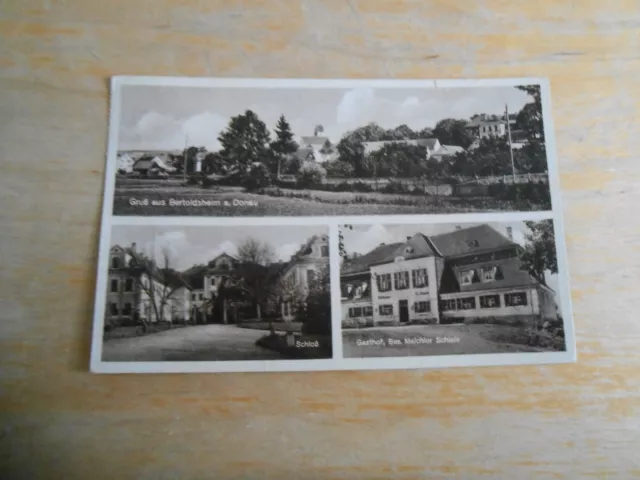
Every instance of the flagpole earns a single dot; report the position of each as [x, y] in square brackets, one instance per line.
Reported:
[513, 167]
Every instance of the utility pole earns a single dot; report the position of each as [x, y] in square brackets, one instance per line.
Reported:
[184, 156]
[513, 167]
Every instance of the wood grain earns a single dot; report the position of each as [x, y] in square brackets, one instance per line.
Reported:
[58, 421]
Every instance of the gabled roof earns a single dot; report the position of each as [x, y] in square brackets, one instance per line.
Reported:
[448, 150]
[469, 240]
[370, 147]
[511, 275]
[416, 247]
[314, 140]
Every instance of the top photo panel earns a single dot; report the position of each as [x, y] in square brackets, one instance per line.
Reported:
[259, 148]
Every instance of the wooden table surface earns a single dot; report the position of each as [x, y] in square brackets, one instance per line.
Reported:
[58, 421]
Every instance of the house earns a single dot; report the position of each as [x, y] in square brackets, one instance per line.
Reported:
[431, 145]
[487, 126]
[296, 276]
[446, 151]
[471, 273]
[149, 165]
[314, 148]
[138, 289]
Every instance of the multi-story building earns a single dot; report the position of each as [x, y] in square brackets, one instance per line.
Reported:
[307, 265]
[469, 273]
[137, 289]
[487, 126]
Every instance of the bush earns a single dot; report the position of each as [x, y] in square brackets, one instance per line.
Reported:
[257, 178]
[311, 174]
[395, 187]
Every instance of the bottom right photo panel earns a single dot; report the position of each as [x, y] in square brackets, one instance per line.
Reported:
[450, 289]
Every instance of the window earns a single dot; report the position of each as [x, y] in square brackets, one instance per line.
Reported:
[128, 285]
[115, 262]
[422, 307]
[200, 296]
[311, 276]
[489, 274]
[385, 310]
[420, 278]
[114, 285]
[324, 250]
[113, 307]
[384, 282]
[466, 277]
[286, 309]
[193, 296]
[127, 309]
[490, 301]
[367, 311]
[224, 266]
[401, 280]
[515, 299]
[448, 305]
[468, 303]
[355, 312]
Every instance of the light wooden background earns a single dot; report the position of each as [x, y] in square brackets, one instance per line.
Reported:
[58, 421]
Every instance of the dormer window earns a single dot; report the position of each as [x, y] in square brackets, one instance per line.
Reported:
[472, 243]
[408, 250]
[115, 262]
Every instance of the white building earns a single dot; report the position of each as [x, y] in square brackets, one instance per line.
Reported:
[469, 273]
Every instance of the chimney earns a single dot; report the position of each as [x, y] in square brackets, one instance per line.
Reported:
[510, 233]
[458, 227]
[133, 247]
[408, 238]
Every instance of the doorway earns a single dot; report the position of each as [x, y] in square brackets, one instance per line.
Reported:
[404, 311]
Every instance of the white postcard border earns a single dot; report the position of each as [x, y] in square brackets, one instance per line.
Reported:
[97, 365]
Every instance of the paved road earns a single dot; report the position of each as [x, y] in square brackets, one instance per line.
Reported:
[425, 340]
[196, 343]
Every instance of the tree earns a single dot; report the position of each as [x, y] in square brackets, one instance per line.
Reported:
[451, 131]
[398, 160]
[338, 168]
[245, 141]
[529, 118]
[341, 246]
[283, 146]
[327, 147]
[257, 178]
[315, 311]
[213, 162]
[253, 273]
[158, 284]
[311, 173]
[539, 253]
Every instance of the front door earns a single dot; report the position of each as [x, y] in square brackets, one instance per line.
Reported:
[404, 311]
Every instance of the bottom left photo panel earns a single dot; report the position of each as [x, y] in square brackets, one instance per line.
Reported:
[217, 293]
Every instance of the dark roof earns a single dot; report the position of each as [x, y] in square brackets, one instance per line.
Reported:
[512, 275]
[143, 164]
[314, 140]
[195, 276]
[469, 240]
[377, 255]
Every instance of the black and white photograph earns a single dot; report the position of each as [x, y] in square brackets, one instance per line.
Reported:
[215, 294]
[310, 150]
[450, 289]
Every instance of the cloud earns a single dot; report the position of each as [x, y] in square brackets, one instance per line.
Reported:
[174, 244]
[363, 241]
[227, 247]
[157, 131]
[285, 252]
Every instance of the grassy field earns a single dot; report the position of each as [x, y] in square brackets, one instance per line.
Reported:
[157, 199]
[423, 341]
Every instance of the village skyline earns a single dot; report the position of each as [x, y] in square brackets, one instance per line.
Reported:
[155, 118]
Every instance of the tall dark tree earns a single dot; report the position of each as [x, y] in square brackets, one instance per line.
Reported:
[451, 131]
[327, 148]
[539, 253]
[529, 118]
[253, 272]
[245, 141]
[283, 146]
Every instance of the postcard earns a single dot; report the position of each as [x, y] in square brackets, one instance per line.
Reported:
[301, 224]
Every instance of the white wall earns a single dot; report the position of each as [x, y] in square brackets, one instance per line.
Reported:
[412, 295]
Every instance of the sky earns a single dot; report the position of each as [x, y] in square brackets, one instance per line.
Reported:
[164, 117]
[364, 238]
[190, 246]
